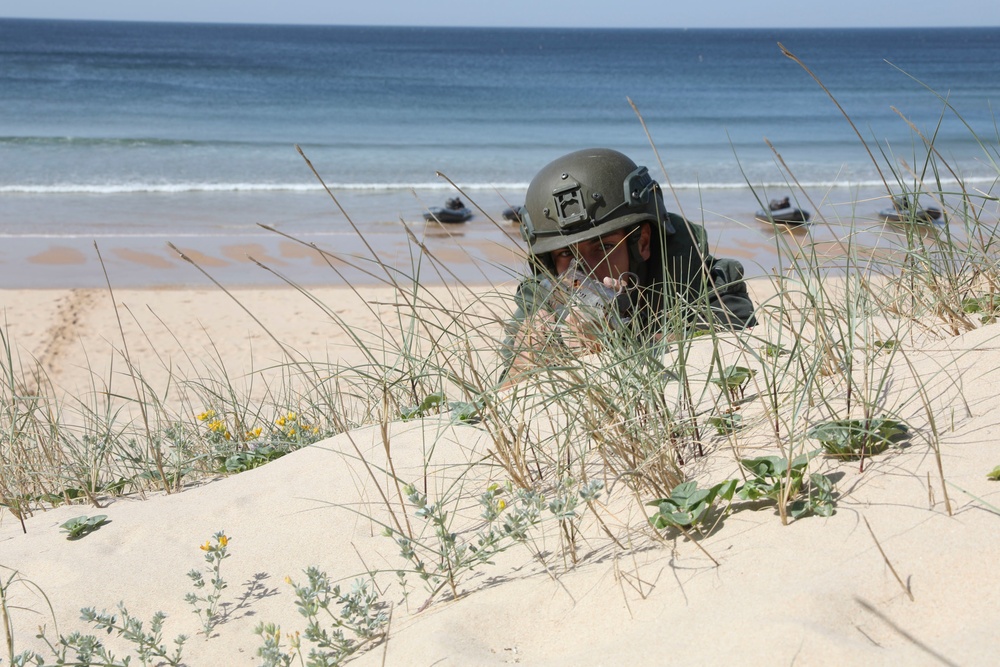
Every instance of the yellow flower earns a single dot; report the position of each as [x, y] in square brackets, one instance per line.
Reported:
[223, 540]
[207, 546]
[206, 415]
[291, 416]
[217, 426]
[280, 421]
[255, 433]
[288, 580]
[501, 505]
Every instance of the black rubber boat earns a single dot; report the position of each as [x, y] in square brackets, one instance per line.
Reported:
[781, 211]
[902, 211]
[512, 214]
[453, 211]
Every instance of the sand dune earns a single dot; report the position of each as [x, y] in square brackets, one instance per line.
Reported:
[819, 591]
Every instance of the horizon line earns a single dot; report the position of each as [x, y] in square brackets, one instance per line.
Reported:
[492, 26]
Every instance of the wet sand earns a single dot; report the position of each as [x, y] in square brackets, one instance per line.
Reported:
[225, 244]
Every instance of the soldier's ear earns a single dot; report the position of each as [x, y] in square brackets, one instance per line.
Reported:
[645, 236]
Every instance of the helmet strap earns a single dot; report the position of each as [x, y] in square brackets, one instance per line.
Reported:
[636, 264]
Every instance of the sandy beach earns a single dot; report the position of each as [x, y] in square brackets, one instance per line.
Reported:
[896, 575]
[900, 571]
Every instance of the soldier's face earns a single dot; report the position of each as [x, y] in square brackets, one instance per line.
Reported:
[603, 257]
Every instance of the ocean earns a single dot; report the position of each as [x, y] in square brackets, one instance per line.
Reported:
[182, 131]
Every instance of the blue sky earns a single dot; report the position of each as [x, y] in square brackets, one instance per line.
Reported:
[540, 13]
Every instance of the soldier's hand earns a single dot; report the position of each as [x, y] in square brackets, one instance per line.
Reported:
[582, 332]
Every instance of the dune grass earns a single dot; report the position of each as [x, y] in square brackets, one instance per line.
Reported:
[680, 431]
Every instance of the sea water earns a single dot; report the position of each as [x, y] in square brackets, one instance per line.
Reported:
[183, 130]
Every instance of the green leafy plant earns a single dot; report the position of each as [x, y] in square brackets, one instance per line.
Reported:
[858, 438]
[778, 479]
[988, 305]
[431, 402]
[271, 652]
[7, 581]
[84, 650]
[81, 526]
[687, 505]
[734, 380]
[726, 423]
[887, 346]
[206, 606]
[817, 498]
[356, 618]
[994, 474]
[773, 350]
[78, 649]
[248, 459]
[442, 558]
[468, 412]
[774, 477]
[56, 498]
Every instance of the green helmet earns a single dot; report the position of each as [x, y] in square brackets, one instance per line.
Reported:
[588, 194]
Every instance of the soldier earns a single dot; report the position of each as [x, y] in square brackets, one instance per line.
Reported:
[605, 253]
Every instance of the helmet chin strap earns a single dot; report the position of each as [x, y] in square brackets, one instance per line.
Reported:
[636, 264]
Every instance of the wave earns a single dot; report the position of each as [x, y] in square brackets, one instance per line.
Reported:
[31, 234]
[181, 188]
[245, 233]
[16, 141]
[803, 185]
[184, 188]
[119, 142]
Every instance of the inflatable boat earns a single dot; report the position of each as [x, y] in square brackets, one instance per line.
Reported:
[453, 211]
[781, 211]
[512, 214]
[901, 211]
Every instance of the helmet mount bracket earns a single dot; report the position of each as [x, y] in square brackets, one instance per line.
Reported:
[570, 208]
[638, 186]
